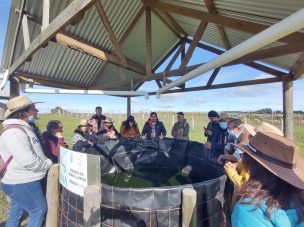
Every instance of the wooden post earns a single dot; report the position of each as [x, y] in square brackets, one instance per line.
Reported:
[193, 125]
[14, 87]
[91, 206]
[189, 207]
[288, 107]
[128, 106]
[52, 196]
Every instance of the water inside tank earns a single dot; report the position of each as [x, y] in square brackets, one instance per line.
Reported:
[151, 177]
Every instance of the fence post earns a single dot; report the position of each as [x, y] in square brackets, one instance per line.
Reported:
[193, 123]
[173, 120]
[91, 206]
[52, 196]
[189, 207]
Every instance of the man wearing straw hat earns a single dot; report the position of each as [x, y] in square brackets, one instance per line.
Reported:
[27, 164]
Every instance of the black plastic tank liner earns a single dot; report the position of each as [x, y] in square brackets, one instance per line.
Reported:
[158, 206]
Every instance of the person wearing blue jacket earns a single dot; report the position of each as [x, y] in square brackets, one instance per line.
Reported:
[153, 128]
[274, 193]
[219, 146]
[213, 130]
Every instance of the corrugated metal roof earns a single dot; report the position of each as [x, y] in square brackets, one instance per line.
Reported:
[60, 63]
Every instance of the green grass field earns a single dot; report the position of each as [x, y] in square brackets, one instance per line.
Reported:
[195, 119]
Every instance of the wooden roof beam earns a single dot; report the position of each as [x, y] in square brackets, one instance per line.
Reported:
[39, 79]
[270, 52]
[197, 37]
[148, 42]
[297, 71]
[211, 9]
[254, 65]
[25, 32]
[96, 52]
[173, 29]
[241, 25]
[167, 55]
[225, 85]
[100, 72]
[212, 77]
[155, 76]
[110, 32]
[177, 53]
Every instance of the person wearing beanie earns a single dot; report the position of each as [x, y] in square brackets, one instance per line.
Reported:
[213, 130]
[129, 128]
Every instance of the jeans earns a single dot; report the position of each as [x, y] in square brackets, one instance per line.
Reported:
[27, 197]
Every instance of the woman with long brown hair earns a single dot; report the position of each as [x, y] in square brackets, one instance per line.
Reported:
[274, 193]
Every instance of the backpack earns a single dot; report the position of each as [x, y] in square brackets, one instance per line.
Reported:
[3, 164]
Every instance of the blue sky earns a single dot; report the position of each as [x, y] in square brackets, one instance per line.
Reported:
[244, 98]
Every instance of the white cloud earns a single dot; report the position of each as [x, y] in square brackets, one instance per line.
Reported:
[137, 101]
[170, 97]
[196, 101]
[165, 105]
[263, 76]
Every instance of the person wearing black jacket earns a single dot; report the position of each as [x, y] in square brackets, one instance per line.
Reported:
[97, 119]
[213, 129]
[153, 128]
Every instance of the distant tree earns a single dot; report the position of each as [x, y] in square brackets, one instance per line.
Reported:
[264, 111]
[57, 110]
[278, 112]
[298, 112]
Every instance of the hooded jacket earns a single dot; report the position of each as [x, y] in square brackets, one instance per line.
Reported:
[29, 162]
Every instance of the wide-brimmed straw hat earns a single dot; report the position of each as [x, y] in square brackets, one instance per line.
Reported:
[108, 120]
[224, 116]
[279, 155]
[266, 127]
[16, 104]
[84, 122]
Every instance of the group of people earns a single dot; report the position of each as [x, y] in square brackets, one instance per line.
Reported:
[100, 128]
[265, 174]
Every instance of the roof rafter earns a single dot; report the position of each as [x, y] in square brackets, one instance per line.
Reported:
[298, 69]
[254, 65]
[241, 25]
[212, 77]
[110, 32]
[76, 44]
[167, 55]
[225, 85]
[197, 37]
[270, 52]
[211, 9]
[155, 76]
[148, 42]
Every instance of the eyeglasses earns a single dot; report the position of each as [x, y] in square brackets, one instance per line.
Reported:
[152, 116]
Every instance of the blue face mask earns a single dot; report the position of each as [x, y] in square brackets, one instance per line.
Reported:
[32, 119]
[223, 125]
[230, 132]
